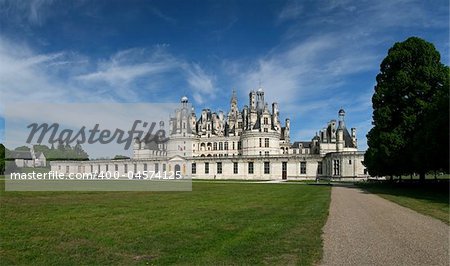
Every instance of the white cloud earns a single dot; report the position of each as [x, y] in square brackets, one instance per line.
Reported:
[28, 76]
[34, 12]
[291, 10]
[200, 82]
[306, 70]
[326, 44]
[124, 68]
[163, 16]
[23, 77]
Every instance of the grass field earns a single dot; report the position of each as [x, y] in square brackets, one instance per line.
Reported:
[430, 200]
[213, 224]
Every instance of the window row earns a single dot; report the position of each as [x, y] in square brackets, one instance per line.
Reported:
[219, 146]
[115, 167]
[250, 168]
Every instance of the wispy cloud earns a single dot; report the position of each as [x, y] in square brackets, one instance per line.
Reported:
[326, 48]
[291, 10]
[126, 76]
[157, 12]
[26, 76]
[201, 83]
[34, 12]
[124, 68]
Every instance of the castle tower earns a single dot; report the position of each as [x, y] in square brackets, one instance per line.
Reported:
[353, 134]
[341, 114]
[252, 99]
[340, 131]
[276, 117]
[260, 99]
[252, 115]
[232, 115]
[245, 117]
[287, 130]
[193, 121]
[340, 140]
[233, 102]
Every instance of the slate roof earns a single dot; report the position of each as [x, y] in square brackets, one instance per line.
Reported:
[348, 139]
[26, 155]
[303, 144]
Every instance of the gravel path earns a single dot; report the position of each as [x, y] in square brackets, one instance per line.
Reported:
[365, 229]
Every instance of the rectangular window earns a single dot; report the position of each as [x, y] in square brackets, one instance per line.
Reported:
[92, 168]
[226, 146]
[67, 168]
[266, 153]
[266, 142]
[319, 168]
[235, 168]
[156, 167]
[220, 146]
[219, 168]
[336, 167]
[349, 161]
[303, 168]
[116, 167]
[98, 168]
[106, 168]
[135, 168]
[164, 167]
[266, 167]
[206, 168]
[145, 167]
[266, 120]
[125, 168]
[266, 130]
[260, 142]
[194, 168]
[250, 167]
[239, 145]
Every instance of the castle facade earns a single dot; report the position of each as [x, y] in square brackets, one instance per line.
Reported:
[248, 143]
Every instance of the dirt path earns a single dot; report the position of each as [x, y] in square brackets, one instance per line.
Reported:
[364, 229]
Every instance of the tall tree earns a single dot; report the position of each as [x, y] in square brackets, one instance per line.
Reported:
[2, 159]
[409, 98]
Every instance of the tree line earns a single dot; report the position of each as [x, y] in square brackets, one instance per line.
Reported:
[60, 152]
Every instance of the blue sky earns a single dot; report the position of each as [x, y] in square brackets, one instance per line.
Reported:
[312, 57]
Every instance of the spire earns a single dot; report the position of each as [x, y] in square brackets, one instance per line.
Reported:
[341, 114]
[233, 97]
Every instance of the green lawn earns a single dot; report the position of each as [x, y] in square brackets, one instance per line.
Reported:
[213, 224]
[428, 199]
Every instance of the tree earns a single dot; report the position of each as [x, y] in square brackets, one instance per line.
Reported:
[120, 157]
[80, 154]
[2, 159]
[410, 100]
[22, 148]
